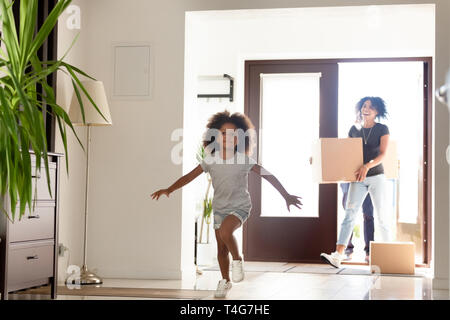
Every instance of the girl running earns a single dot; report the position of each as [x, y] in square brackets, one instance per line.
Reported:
[228, 142]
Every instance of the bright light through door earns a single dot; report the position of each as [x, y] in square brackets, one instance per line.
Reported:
[400, 84]
[289, 125]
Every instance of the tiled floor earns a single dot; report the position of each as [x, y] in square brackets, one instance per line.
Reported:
[291, 286]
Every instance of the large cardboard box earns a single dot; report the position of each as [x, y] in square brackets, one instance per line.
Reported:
[390, 161]
[337, 159]
[392, 257]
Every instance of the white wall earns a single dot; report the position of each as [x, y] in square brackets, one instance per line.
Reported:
[130, 235]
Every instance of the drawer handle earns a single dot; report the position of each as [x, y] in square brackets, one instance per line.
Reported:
[33, 257]
[34, 217]
[37, 175]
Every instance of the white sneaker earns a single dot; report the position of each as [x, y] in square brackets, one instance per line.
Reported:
[334, 259]
[237, 270]
[222, 288]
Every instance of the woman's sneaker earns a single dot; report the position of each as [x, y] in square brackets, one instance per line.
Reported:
[222, 288]
[334, 259]
[237, 270]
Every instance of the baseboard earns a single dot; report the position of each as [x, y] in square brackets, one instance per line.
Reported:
[440, 284]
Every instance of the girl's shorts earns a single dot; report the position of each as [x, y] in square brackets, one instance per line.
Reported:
[219, 217]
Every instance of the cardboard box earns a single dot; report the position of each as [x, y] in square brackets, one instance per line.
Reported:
[392, 257]
[390, 161]
[337, 159]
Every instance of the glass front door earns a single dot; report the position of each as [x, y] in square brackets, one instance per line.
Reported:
[289, 125]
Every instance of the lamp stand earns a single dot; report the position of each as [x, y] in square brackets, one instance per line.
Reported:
[87, 277]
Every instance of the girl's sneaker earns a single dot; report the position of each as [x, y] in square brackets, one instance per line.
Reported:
[222, 288]
[334, 259]
[237, 270]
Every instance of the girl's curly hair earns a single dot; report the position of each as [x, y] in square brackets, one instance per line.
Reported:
[246, 136]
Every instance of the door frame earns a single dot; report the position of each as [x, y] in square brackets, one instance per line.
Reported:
[275, 238]
[427, 132]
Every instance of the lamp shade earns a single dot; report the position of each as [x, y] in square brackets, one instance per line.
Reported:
[97, 92]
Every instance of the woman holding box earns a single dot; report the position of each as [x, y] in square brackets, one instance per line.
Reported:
[369, 178]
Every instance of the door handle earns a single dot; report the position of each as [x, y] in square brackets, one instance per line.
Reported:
[447, 154]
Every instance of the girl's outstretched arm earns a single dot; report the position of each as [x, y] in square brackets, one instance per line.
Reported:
[179, 183]
[290, 199]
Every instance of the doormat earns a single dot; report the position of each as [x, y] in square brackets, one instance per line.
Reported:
[325, 269]
[125, 292]
[257, 267]
[366, 272]
[314, 268]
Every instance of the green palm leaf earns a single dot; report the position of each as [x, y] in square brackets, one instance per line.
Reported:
[22, 129]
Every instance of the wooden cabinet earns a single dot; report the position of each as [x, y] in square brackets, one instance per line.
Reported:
[29, 247]
[30, 264]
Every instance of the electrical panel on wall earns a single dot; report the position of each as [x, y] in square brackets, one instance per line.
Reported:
[133, 71]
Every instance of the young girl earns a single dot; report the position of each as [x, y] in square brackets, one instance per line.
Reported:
[228, 163]
[369, 178]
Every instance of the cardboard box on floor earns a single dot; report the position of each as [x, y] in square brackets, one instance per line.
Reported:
[337, 159]
[392, 257]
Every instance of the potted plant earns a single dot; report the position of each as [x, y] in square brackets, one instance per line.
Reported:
[21, 120]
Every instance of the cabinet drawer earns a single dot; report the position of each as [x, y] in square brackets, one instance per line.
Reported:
[39, 224]
[39, 187]
[40, 183]
[28, 262]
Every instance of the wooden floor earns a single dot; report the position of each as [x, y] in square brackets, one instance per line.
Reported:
[103, 291]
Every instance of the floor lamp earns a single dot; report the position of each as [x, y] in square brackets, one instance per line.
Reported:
[92, 118]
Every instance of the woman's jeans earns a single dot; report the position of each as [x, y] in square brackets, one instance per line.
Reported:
[376, 187]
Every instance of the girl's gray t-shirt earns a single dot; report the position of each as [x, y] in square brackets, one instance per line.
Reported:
[230, 181]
